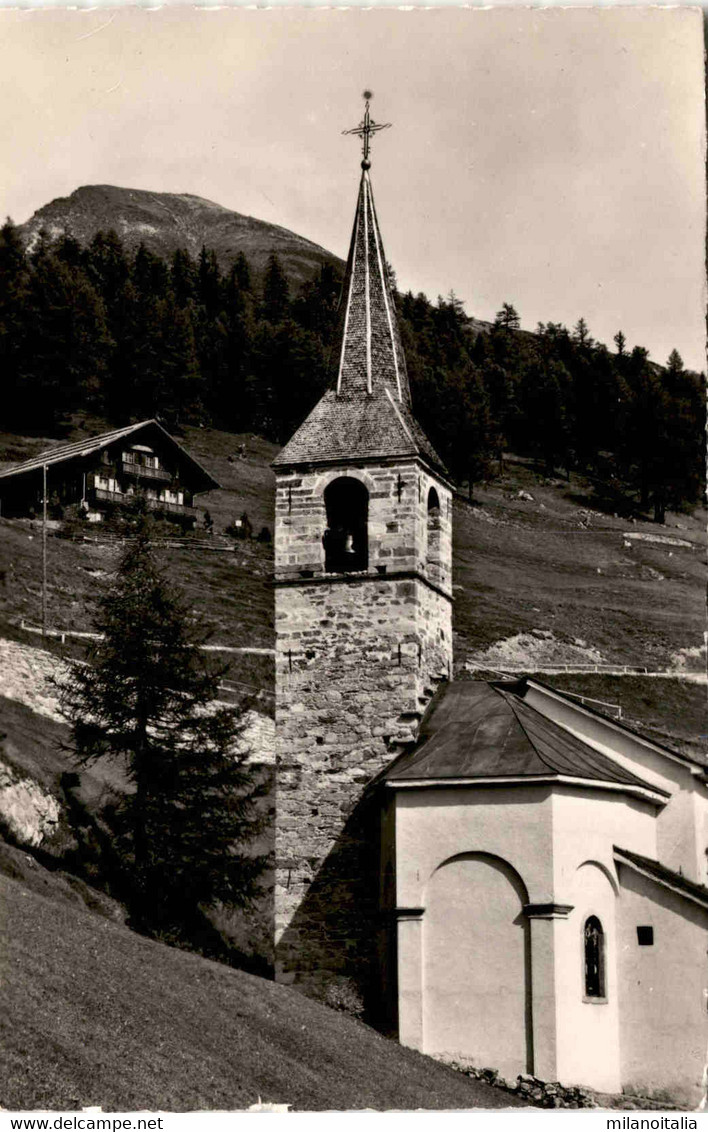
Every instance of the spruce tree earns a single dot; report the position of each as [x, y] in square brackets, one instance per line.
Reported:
[67, 355]
[507, 317]
[276, 291]
[146, 700]
[14, 324]
[242, 272]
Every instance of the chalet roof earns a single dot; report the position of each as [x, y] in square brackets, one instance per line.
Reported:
[663, 876]
[474, 730]
[86, 447]
[366, 413]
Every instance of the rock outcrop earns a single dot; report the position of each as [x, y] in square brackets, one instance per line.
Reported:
[29, 813]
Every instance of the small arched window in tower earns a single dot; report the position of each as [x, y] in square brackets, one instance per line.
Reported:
[432, 555]
[594, 956]
[346, 539]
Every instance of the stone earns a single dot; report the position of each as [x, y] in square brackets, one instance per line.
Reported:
[31, 813]
[348, 698]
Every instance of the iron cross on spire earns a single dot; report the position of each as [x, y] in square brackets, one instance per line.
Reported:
[366, 128]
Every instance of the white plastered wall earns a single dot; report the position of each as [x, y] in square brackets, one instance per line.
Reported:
[434, 825]
[588, 1028]
[663, 1018]
[680, 830]
[558, 840]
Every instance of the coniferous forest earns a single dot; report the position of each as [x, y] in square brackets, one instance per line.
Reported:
[126, 337]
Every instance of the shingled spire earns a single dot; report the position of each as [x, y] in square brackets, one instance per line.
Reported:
[370, 357]
[366, 412]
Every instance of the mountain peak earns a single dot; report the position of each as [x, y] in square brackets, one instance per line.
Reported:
[164, 222]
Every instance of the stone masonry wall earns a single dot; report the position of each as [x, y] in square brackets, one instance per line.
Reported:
[357, 659]
[434, 551]
[398, 520]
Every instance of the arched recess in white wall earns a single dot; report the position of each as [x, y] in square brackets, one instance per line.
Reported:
[604, 870]
[476, 964]
[588, 1006]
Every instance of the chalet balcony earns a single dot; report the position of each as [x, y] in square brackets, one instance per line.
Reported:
[140, 472]
[102, 496]
[181, 510]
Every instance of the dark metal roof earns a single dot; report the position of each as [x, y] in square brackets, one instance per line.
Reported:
[662, 875]
[88, 446]
[367, 411]
[476, 730]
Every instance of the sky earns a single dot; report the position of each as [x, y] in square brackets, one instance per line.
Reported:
[551, 158]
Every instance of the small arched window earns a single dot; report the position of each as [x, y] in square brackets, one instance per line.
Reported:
[346, 539]
[433, 510]
[433, 528]
[594, 949]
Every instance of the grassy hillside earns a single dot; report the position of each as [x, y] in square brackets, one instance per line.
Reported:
[228, 586]
[552, 563]
[555, 563]
[92, 1014]
[668, 711]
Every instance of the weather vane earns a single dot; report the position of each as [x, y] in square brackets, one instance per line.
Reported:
[366, 128]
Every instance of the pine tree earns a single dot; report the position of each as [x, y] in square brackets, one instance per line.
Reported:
[108, 267]
[507, 317]
[544, 399]
[276, 292]
[146, 700]
[67, 356]
[674, 364]
[242, 271]
[582, 334]
[209, 283]
[183, 277]
[14, 324]
[182, 375]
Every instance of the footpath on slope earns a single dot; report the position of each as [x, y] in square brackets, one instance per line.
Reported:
[30, 675]
[541, 651]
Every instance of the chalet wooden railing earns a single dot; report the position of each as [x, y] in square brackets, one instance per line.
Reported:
[105, 496]
[142, 472]
[172, 508]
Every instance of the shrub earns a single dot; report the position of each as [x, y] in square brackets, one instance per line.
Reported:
[341, 993]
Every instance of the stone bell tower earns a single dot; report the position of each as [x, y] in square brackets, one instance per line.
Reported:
[363, 623]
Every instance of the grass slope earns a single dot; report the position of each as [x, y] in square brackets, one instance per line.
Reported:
[228, 588]
[93, 1014]
[554, 563]
[669, 712]
[551, 562]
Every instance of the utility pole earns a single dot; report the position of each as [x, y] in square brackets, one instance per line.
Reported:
[44, 550]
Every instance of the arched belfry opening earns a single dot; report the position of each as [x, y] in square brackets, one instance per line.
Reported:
[433, 528]
[346, 539]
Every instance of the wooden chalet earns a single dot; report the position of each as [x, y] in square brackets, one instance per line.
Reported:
[101, 472]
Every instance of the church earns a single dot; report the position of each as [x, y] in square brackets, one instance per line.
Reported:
[504, 877]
